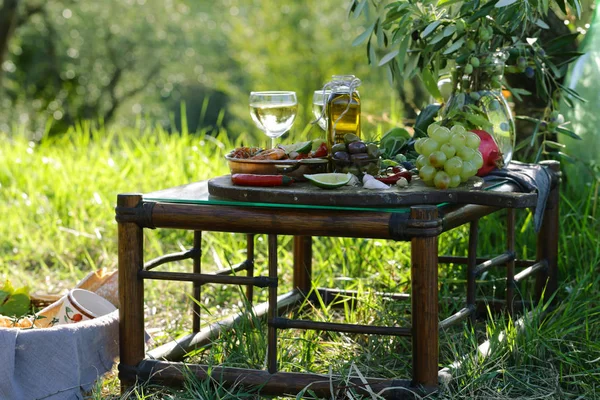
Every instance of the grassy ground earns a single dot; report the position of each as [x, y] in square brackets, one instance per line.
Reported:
[56, 203]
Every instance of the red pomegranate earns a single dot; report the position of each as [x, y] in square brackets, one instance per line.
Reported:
[492, 157]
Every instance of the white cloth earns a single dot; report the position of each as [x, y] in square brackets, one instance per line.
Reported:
[57, 363]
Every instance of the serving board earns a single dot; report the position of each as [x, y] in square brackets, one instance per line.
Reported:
[347, 196]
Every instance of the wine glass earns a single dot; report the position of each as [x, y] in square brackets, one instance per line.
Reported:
[273, 112]
[319, 100]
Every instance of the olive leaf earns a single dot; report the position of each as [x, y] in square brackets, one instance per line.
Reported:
[504, 3]
[430, 28]
[388, 57]
[360, 39]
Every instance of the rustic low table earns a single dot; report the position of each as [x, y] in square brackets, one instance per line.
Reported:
[418, 214]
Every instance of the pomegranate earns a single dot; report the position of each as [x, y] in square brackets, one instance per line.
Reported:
[492, 157]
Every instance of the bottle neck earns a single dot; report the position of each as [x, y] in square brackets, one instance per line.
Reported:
[343, 83]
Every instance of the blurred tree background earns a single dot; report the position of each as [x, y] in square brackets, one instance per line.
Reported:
[139, 61]
[118, 61]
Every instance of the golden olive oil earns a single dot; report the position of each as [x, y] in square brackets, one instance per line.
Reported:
[343, 109]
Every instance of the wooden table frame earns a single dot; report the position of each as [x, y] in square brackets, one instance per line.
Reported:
[421, 227]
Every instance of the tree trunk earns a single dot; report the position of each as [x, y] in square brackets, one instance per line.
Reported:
[8, 16]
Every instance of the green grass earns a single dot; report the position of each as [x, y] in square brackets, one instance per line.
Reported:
[57, 203]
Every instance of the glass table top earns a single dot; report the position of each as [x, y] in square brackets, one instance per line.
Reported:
[198, 193]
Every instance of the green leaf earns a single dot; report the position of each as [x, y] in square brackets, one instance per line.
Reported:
[576, 4]
[557, 44]
[426, 118]
[359, 9]
[393, 140]
[483, 11]
[478, 120]
[553, 144]
[360, 39]
[568, 133]
[545, 7]
[372, 55]
[379, 34]
[504, 3]
[390, 74]
[562, 5]
[14, 302]
[440, 45]
[541, 24]
[538, 155]
[455, 46]
[449, 30]
[572, 92]
[430, 28]
[564, 156]
[388, 57]
[6, 291]
[392, 16]
[411, 65]
[446, 3]
[351, 7]
[402, 52]
[526, 118]
[439, 36]
[431, 84]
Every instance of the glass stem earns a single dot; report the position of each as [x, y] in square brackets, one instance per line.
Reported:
[272, 142]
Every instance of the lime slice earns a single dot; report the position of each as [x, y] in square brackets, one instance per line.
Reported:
[301, 147]
[329, 181]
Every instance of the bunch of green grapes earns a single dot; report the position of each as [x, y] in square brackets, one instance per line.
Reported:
[448, 156]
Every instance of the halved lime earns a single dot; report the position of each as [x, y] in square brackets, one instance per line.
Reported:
[300, 147]
[329, 181]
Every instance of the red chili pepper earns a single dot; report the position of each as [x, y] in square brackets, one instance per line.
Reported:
[321, 151]
[391, 179]
[261, 180]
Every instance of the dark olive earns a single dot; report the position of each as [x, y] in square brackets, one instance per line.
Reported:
[373, 150]
[359, 157]
[357, 147]
[350, 137]
[341, 156]
[338, 147]
[372, 169]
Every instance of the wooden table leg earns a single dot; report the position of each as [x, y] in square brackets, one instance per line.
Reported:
[272, 313]
[303, 263]
[197, 287]
[131, 291]
[250, 266]
[471, 264]
[510, 266]
[547, 242]
[424, 298]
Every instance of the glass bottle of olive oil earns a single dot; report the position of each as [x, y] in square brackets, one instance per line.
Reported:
[342, 108]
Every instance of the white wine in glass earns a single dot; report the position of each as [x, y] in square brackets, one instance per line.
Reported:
[273, 112]
[319, 100]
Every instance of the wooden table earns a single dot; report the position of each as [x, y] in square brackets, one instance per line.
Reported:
[418, 215]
